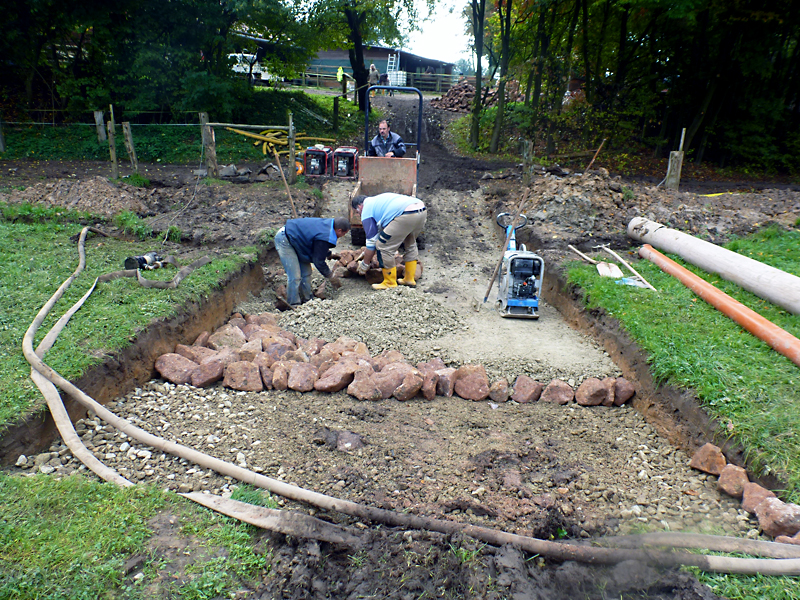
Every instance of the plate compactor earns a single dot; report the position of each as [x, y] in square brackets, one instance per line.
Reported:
[521, 275]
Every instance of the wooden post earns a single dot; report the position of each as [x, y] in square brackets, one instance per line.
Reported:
[112, 146]
[336, 113]
[101, 130]
[673, 178]
[291, 136]
[209, 145]
[2, 139]
[126, 131]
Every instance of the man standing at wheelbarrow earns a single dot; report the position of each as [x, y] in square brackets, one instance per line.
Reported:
[390, 220]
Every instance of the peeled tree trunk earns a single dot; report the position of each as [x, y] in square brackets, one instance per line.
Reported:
[769, 283]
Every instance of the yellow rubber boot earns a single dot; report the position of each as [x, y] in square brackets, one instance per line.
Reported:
[389, 280]
[411, 270]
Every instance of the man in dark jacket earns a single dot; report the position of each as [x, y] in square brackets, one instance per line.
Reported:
[302, 242]
[386, 143]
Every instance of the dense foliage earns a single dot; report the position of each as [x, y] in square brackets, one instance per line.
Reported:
[643, 70]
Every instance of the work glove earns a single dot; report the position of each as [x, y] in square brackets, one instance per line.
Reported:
[362, 268]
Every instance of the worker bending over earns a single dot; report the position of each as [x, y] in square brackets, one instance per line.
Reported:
[302, 242]
[390, 220]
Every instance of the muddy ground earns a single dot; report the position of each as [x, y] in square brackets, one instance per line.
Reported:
[538, 470]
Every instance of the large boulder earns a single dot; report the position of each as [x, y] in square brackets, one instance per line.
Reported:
[526, 389]
[472, 383]
[243, 376]
[175, 368]
[557, 392]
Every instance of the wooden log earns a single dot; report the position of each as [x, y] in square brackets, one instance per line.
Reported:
[779, 287]
[2, 139]
[292, 138]
[131, 149]
[101, 130]
[209, 145]
[112, 146]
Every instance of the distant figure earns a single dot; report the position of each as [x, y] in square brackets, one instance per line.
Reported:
[384, 80]
[386, 143]
[430, 70]
[374, 77]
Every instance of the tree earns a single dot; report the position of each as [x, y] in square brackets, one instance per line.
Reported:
[478, 21]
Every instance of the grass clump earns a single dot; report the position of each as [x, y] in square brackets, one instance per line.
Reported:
[37, 258]
[133, 225]
[747, 387]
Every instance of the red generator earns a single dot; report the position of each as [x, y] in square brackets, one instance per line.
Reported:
[318, 161]
[345, 162]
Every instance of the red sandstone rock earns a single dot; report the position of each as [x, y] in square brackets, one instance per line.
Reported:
[337, 377]
[362, 386]
[776, 517]
[227, 336]
[302, 377]
[266, 376]
[175, 368]
[472, 382]
[708, 459]
[386, 357]
[207, 373]
[226, 356]
[276, 349]
[593, 392]
[243, 376]
[249, 350]
[313, 346]
[447, 381]
[323, 356]
[623, 391]
[435, 364]
[280, 375]
[410, 387]
[611, 386]
[785, 539]
[498, 391]
[732, 480]
[388, 381]
[429, 382]
[753, 495]
[194, 353]
[526, 390]
[557, 392]
[202, 339]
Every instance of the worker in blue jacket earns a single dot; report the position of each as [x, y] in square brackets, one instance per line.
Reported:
[391, 220]
[386, 143]
[302, 242]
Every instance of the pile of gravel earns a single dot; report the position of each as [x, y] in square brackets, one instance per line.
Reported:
[395, 320]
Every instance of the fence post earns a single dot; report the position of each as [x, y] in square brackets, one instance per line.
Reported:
[336, 113]
[292, 167]
[209, 145]
[673, 178]
[2, 139]
[112, 147]
[126, 131]
[98, 123]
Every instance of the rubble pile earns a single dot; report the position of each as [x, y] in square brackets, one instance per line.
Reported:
[253, 353]
[460, 97]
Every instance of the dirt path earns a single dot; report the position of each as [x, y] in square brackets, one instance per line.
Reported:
[536, 469]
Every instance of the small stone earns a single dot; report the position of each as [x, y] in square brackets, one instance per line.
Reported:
[709, 459]
[732, 480]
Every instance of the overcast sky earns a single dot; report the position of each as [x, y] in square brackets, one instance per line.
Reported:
[443, 37]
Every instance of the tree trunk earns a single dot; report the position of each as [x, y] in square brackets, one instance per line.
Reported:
[587, 70]
[356, 53]
[478, 22]
[505, 58]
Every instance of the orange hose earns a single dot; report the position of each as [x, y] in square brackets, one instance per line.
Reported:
[779, 339]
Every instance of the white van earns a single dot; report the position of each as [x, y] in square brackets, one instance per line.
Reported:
[242, 64]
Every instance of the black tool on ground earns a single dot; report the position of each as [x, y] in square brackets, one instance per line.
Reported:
[151, 260]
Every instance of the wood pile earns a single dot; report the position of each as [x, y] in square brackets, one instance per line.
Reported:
[460, 97]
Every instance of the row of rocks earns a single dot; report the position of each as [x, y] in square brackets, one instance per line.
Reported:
[460, 97]
[253, 353]
[777, 518]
